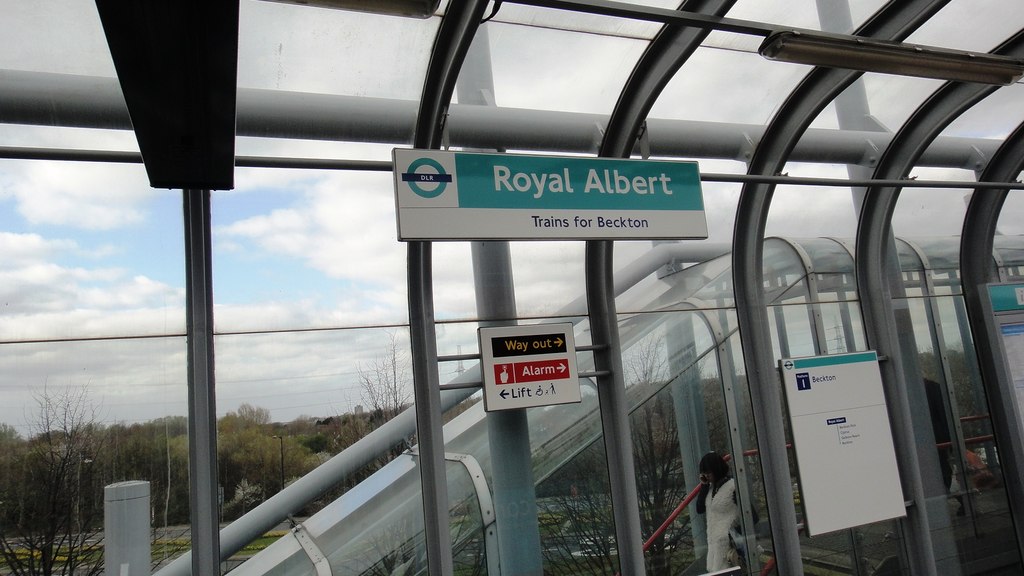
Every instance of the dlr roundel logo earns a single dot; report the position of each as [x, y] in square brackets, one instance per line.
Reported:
[426, 177]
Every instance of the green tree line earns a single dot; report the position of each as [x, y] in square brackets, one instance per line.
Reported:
[52, 478]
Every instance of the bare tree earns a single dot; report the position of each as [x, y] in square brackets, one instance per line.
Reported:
[384, 382]
[56, 517]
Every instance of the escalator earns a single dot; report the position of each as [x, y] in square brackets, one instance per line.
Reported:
[376, 528]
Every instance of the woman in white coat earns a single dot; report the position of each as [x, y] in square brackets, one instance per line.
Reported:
[717, 501]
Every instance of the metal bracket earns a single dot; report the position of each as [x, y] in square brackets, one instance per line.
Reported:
[445, 138]
[320, 563]
[644, 139]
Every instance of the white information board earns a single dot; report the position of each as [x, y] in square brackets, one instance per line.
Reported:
[527, 366]
[843, 443]
[1007, 302]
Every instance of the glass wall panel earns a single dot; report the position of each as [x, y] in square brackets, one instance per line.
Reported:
[930, 211]
[550, 277]
[966, 502]
[90, 253]
[313, 249]
[1009, 220]
[92, 355]
[809, 211]
[318, 374]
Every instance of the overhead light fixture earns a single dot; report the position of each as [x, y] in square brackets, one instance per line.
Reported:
[870, 55]
[411, 8]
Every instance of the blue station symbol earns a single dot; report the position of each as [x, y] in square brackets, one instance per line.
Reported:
[415, 178]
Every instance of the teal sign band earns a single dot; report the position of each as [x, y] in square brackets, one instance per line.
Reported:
[1006, 297]
[560, 183]
[819, 361]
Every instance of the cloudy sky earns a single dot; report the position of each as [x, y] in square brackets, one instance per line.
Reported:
[92, 287]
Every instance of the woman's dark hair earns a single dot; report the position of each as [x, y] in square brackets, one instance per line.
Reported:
[714, 464]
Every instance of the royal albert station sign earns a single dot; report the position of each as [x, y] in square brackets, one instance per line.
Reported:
[468, 196]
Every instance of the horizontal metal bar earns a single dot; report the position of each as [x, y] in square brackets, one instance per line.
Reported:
[462, 385]
[653, 14]
[111, 156]
[594, 373]
[457, 357]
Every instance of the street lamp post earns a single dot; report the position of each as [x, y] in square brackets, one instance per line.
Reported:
[280, 439]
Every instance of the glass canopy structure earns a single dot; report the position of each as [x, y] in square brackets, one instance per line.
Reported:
[849, 209]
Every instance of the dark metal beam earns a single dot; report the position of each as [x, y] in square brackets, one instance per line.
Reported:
[177, 64]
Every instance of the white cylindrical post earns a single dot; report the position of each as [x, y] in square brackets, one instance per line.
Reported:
[126, 529]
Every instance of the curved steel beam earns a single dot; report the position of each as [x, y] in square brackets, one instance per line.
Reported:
[663, 57]
[454, 37]
[669, 49]
[975, 272]
[874, 233]
[803, 105]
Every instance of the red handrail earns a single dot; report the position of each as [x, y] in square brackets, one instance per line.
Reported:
[671, 518]
[679, 510]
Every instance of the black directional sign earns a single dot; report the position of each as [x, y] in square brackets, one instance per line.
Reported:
[505, 346]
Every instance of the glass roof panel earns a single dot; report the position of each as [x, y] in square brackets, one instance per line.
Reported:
[827, 256]
[943, 253]
[58, 36]
[715, 85]
[550, 69]
[994, 117]
[310, 49]
[802, 13]
[977, 26]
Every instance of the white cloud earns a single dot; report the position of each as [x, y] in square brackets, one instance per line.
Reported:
[19, 249]
[65, 194]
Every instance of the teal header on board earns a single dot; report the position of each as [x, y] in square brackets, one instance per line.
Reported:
[833, 360]
[1006, 297]
[559, 183]
[445, 195]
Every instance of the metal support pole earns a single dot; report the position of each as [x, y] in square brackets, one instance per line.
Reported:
[508, 431]
[202, 406]
[976, 245]
[428, 411]
[688, 406]
[280, 440]
[762, 374]
[611, 393]
[875, 249]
